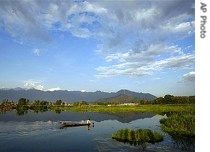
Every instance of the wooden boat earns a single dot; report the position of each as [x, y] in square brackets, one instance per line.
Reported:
[73, 124]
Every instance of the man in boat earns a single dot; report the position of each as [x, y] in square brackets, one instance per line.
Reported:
[89, 124]
[88, 121]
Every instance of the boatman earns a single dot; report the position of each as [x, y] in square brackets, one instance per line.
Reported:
[88, 121]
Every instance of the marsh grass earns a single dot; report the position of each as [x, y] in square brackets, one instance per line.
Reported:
[180, 124]
[156, 109]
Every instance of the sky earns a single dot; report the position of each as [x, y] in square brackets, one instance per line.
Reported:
[141, 45]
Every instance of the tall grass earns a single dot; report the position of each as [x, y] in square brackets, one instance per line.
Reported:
[157, 109]
[180, 124]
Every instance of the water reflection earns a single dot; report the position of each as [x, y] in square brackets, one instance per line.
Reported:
[187, 144]
[143, 145]
[31, 115]
[41, 132]
[58, 111]
[21, 110]
[87, 126]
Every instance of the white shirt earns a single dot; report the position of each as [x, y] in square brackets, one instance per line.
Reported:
[88, 122]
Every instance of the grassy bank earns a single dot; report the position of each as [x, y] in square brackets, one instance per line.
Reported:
[180, 124]
[156, 109]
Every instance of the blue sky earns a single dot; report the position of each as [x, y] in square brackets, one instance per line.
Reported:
[143, 46]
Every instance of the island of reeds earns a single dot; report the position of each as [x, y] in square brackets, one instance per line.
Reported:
[137, 137]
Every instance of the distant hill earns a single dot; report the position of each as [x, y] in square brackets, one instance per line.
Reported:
[122, 98]
[136, 94]
[66, 96]
[127, 98]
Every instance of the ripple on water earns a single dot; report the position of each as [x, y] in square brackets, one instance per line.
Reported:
[15, 129]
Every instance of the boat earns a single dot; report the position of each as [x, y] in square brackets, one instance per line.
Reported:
[73, 124]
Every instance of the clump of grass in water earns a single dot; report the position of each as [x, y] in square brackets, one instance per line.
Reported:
[137, 137]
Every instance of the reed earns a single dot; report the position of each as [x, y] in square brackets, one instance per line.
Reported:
[156, 109]
[180, 124]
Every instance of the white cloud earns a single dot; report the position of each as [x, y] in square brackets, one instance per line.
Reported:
[136, 36]
[188, 77]
[33, 84]
[83, 90]
[37, 51]
[35, 18]
[21, 20]
[39, 87]
[54, 89]
[146, 62]
[181, 61]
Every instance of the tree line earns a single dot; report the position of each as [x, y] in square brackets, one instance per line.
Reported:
[167, 99]
[23, 105]
[170, 99]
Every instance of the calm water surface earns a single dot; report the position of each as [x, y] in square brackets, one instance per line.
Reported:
[41, 132]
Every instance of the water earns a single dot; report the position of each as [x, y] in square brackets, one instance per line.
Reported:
[42, 132]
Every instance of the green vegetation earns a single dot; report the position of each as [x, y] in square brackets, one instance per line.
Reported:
[81, 103]
[23, 104]
[180, 124]
[180, 111]
[6, 105]
[58, 102]
[157, 109]
[167, 99]
[137, 137]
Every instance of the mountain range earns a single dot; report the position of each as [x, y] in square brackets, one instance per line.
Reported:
[66, 96]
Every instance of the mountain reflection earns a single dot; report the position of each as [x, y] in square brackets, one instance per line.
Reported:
[57, 115]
